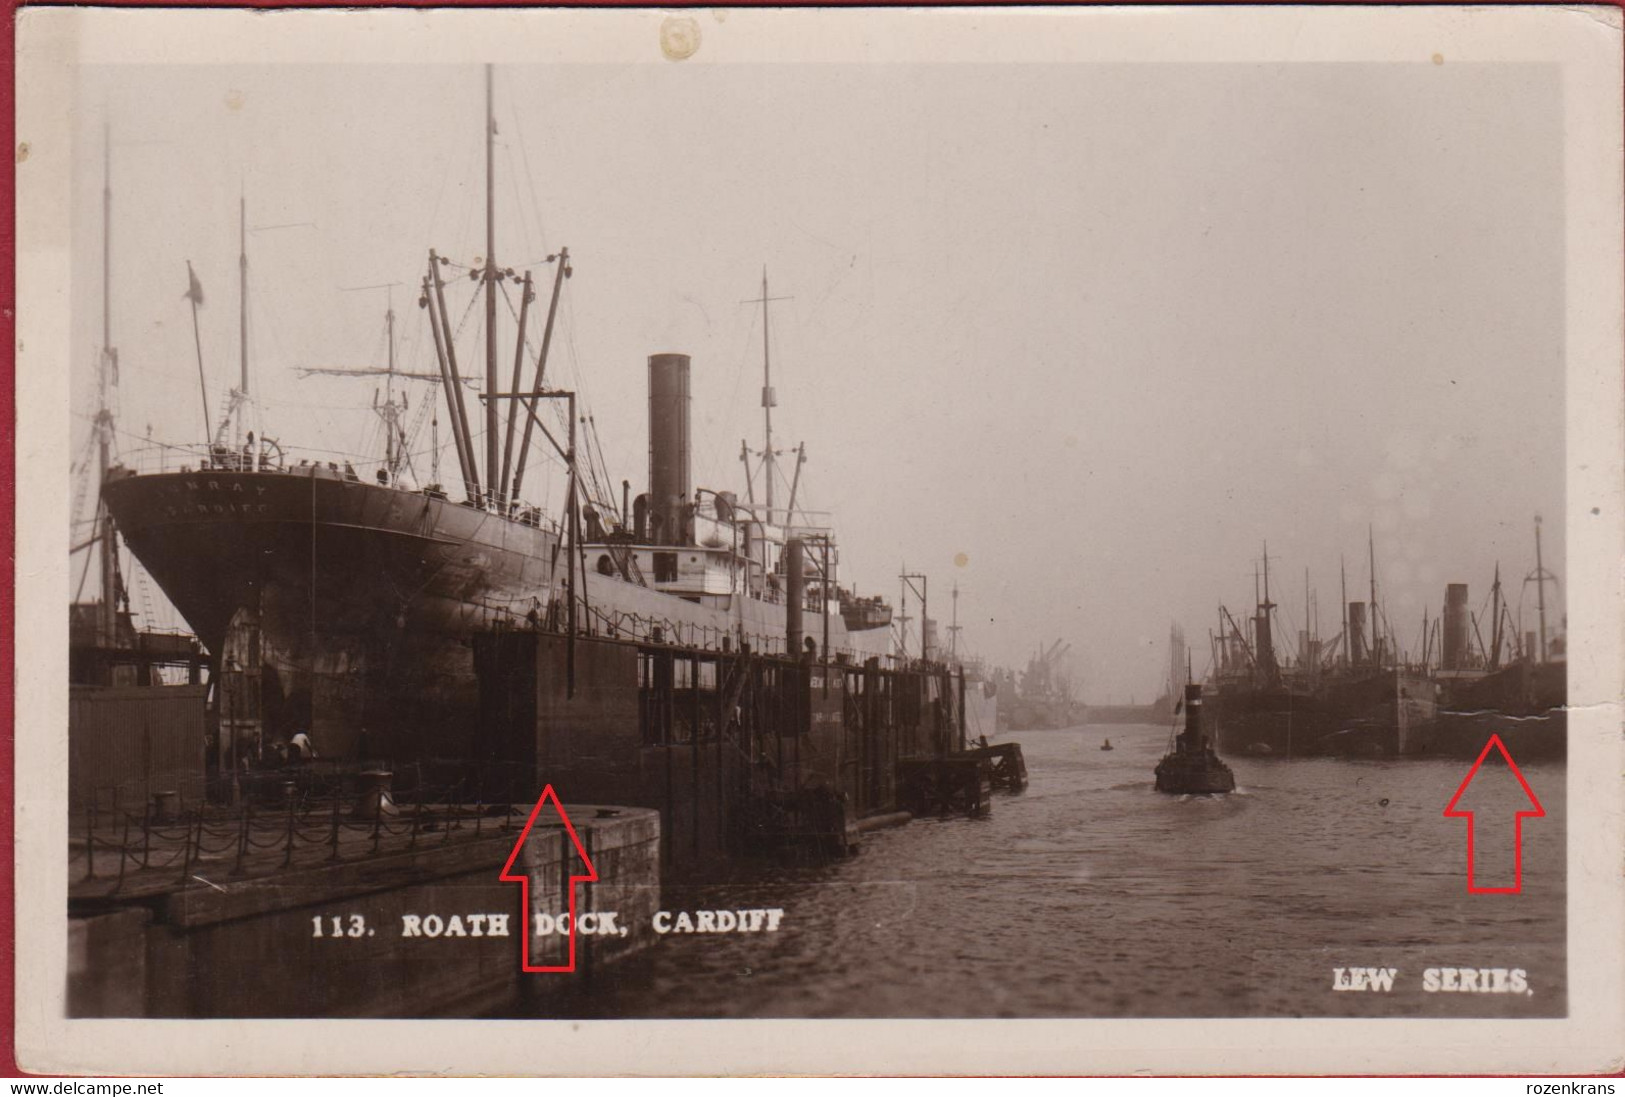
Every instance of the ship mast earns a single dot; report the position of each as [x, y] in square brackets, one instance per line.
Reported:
[1540, 589]
[490, 276]
[242, 306]
[769, 400]
[1265, 634]
[389, 413]
[107, 548]
[1540, 577]
[1376, 633]
[1495, 629]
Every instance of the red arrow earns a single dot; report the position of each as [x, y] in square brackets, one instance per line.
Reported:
[523, 879]
[1451, 812]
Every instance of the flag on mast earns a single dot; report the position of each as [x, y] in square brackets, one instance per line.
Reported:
[194, 291]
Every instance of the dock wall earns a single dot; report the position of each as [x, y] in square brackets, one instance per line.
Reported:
[423, 932]
[126, 743]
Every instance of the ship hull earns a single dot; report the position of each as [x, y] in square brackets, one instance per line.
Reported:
[1525, 704]
[348, 608]
[1372, 714]
[1185, 774]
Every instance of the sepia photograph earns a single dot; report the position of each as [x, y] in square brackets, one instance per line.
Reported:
[745, 515]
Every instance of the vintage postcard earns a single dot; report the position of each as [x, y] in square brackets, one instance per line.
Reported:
[897, 540]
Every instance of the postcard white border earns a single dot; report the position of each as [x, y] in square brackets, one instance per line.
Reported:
[1584, 41]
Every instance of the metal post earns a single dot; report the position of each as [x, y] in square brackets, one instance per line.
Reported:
[123, 848]
[504, 493]
[559, 275]
[570, 581]
[722, 717]
[242, 841]
[694, 744]
[490, 273]
[824, 612]
[242, 300]
[333, 840]
[1540, 589]
[663, 710]
[454, 391]
[186, 847]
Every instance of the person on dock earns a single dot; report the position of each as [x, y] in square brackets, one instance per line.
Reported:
[301, 749]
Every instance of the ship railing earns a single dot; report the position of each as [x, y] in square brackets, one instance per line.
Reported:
[160, 457]
[115, 847]
[157, 457]
[601, 623]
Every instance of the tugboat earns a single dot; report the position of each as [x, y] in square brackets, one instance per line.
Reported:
[1107, 745]
[1192, 767]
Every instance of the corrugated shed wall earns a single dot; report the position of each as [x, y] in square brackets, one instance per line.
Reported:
[132, 742]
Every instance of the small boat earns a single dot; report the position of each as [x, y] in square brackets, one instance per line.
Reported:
[1107, 745]
[1192, 767]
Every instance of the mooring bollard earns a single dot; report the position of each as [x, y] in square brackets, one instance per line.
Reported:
[375, 799]
[163, 806]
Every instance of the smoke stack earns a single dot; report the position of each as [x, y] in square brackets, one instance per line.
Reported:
[669, 477]
[1194, 736]
[1356, 636]
[1265, 643]
[1454, 648]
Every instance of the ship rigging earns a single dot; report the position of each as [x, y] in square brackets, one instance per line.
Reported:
[345, 604]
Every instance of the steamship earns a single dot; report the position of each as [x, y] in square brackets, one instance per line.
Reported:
[1515, 687]
[346, 605]
[1363, 703]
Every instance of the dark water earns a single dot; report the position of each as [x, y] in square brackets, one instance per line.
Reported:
[1092, 895]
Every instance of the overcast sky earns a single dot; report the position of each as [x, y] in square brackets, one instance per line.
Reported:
[1078, 337]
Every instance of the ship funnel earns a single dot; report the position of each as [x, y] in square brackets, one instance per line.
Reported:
[1356, 636]
[1193, 737]
[1453, 653]
[670, 484]
[1266, 644]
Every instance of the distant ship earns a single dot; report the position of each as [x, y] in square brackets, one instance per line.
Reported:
[1043, 699]
[343, 603]
[1517, 688]
[1363, 703]
[135, 697]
